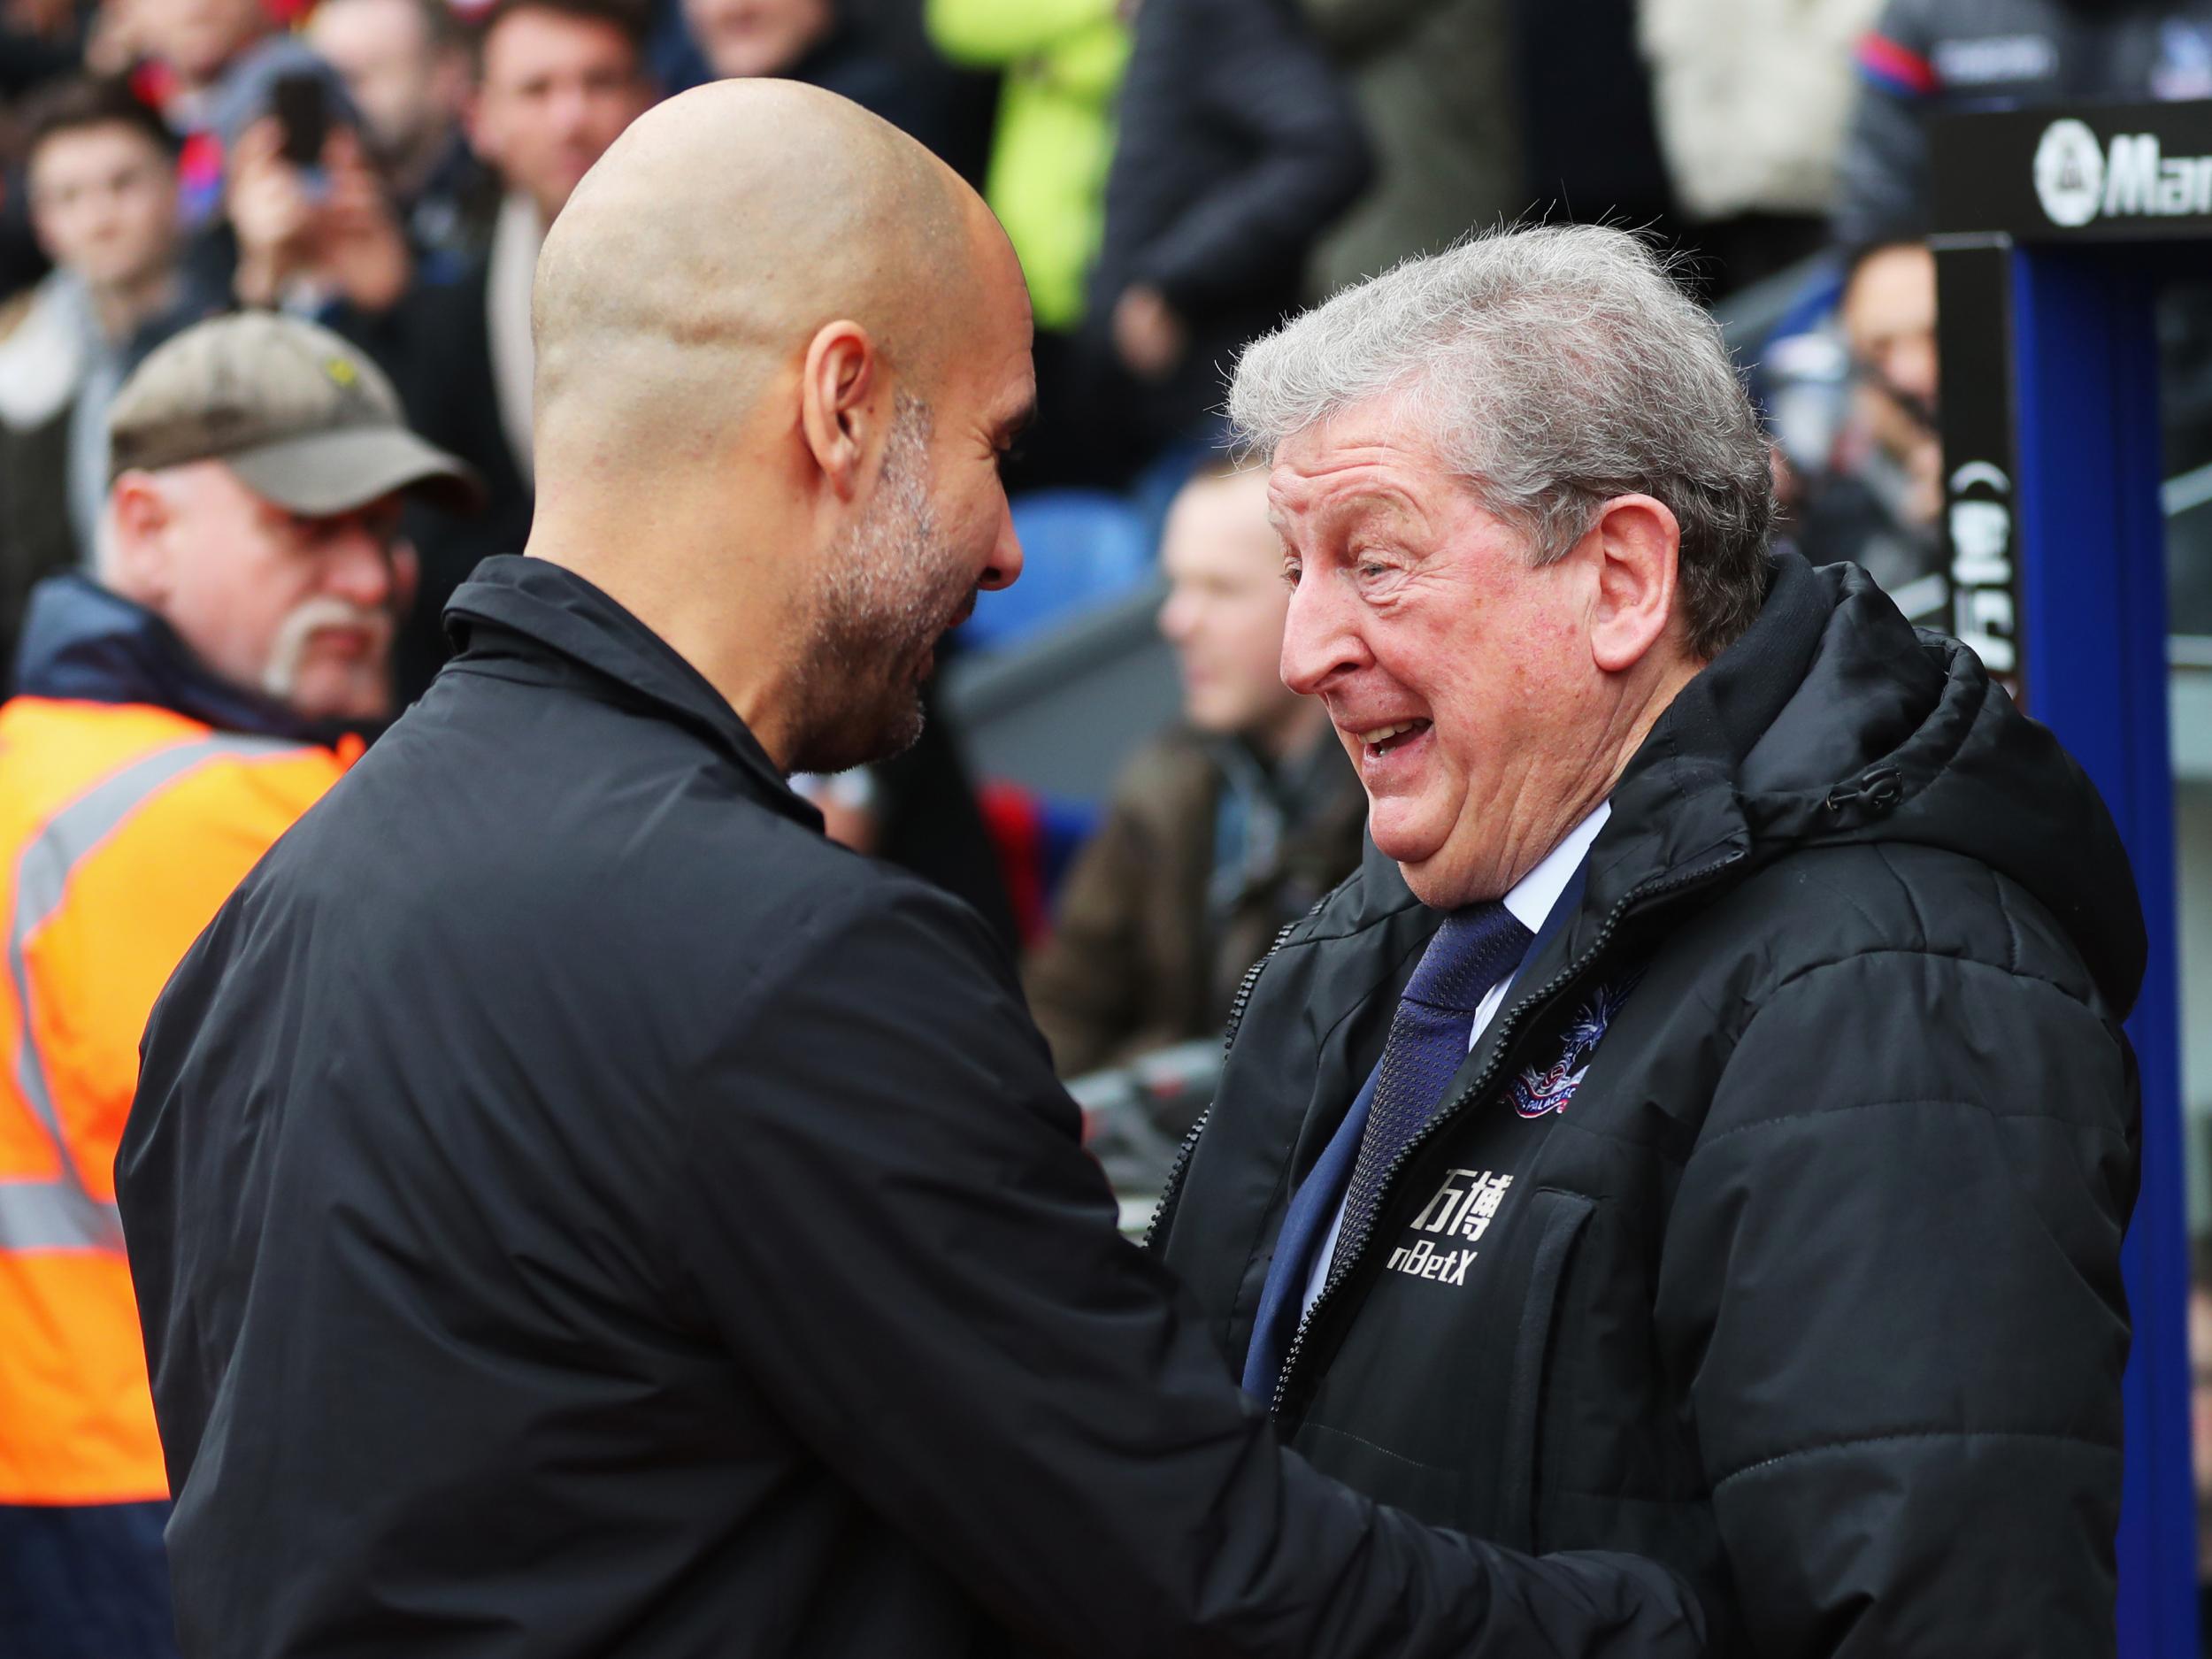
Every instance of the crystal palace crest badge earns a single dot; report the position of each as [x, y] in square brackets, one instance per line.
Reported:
[1541, 1090]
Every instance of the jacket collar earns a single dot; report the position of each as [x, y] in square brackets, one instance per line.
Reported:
[542, 603]
[82, 643]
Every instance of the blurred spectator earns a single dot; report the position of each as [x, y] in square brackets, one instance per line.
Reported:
[102, 184]
[1436, 85]
[307, 240]
[813, 41]
[1239, 146]
[557, 81]
[1751, 99]
[407, 67]
[1925, 57]
[1062, 61]
[1878, 500]
[213, 63]
[40, 40]
[174, 722]
[1221, 830]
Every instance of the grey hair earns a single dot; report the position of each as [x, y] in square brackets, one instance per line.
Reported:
[1554, 368]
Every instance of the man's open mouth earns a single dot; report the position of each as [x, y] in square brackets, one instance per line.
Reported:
[1382, 739]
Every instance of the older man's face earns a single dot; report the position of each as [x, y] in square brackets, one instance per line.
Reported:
[1459, 678]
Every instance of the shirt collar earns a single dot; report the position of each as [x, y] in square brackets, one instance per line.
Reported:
[1533, 895]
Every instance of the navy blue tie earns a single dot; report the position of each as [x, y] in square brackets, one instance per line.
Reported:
[1474, 949]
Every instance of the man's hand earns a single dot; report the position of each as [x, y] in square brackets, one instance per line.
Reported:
[1149, 335]
[271, 214]
[347, 243]
[360, 249]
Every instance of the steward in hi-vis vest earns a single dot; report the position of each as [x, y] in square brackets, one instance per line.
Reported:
[170, 722]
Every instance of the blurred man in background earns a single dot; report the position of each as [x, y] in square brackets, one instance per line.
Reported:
[212, 63]
[1877, 501]
[557, 82]
[1435, 87]
[1239, 145]
[817, 43]
[174, 719]
[1222, 831]
[407, 67]
[103, 198]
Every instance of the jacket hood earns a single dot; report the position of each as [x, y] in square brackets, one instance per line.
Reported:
[1833, 721]
[85, 644]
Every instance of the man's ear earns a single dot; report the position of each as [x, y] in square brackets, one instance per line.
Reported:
[137, 561]
[837, 392]
[1638, 547]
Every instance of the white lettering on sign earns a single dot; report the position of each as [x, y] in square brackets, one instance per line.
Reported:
[1983, 615]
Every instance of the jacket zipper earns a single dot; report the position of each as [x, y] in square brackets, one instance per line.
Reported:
[1340, 1269]
[1169, 1192]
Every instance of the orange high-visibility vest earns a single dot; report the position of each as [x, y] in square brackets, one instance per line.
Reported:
[123, 828]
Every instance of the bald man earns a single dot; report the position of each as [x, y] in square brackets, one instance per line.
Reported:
[575, 1208]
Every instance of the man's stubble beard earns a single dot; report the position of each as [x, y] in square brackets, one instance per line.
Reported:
[881, 601]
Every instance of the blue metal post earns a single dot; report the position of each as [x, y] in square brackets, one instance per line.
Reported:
[2092, 590]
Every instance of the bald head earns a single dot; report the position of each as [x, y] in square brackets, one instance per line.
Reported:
[780, 349]
[719, 233]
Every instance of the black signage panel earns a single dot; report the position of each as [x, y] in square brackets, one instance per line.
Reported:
[1980, 454]
[2085, 173]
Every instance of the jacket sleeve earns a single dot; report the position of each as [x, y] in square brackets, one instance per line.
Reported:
[890, 1222]
[1881, 183]
[1892, 1282]
[1252, 69]
[1351, 30]
[1082, 978]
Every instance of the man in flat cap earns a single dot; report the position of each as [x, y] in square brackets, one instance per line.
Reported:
[173, 717]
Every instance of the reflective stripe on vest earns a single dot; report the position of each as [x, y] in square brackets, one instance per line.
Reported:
[59, 1214]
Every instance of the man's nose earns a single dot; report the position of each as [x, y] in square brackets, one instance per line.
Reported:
[1321, 639]
[360, 567]
[1005, 567]
[1175, 620]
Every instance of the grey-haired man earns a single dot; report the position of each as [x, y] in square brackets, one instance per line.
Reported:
[1703, 1130]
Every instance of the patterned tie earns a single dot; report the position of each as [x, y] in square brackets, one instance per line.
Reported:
[1474, 949]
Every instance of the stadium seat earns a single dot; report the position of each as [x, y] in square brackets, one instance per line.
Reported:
[1080, 549]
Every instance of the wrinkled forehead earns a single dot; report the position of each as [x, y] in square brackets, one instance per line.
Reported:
[1373, 456]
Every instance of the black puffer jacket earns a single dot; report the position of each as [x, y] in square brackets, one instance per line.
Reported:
[1774, 1233]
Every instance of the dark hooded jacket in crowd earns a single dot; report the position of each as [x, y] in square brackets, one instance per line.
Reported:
[1772, 1230]
[576, 1209]
[1239, 145]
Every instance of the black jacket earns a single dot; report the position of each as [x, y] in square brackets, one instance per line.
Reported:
[1239, 145]
[1807, 1144]
[576, 1208]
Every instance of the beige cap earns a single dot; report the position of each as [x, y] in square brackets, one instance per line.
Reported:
[303, 419]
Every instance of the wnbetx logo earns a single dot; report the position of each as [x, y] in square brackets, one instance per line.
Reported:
[1464, 1208]
[2077, 177]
